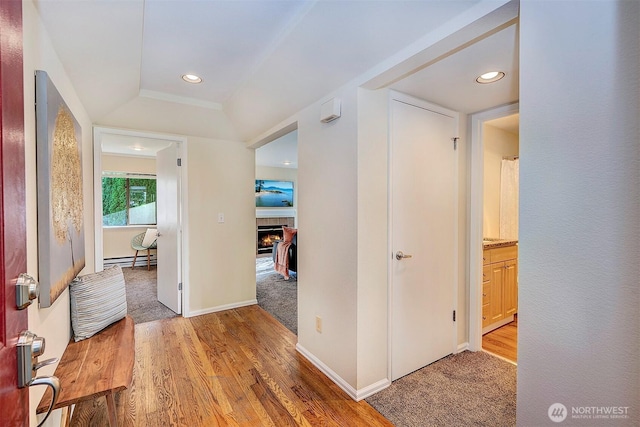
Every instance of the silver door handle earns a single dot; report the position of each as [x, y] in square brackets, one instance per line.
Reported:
[52, 382]
[400, 255]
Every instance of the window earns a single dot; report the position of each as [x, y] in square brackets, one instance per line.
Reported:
[128, 199]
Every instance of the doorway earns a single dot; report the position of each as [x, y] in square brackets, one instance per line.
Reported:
[155, 157]
[423, 207]
[276, 177]
[485, 220]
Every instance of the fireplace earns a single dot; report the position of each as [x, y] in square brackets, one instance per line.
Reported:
[269, 230]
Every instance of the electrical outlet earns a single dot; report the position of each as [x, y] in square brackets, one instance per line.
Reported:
[220, 217]
[319, 324]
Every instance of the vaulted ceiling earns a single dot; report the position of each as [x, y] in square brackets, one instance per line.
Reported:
[261, 61]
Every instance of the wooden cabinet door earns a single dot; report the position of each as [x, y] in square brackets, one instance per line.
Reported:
[510, 295]
[496, 309]
[486, 295]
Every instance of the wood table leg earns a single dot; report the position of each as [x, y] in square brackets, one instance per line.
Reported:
[111, 410]
[65, 418]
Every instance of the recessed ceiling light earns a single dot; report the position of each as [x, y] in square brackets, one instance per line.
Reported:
[137, 148]
[490, 77]
[286, 163]
[191, 78]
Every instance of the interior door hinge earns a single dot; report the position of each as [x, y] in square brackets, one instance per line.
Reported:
[455, 142]
[180, 286]
[454, 315]
[179, 162]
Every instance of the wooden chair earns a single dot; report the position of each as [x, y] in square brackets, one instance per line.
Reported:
[136, 243]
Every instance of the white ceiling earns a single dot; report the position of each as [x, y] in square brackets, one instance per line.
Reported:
[128, 145]
[280, 153]
[261, 60]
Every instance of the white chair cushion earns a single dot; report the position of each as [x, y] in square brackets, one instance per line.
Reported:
[149, 237]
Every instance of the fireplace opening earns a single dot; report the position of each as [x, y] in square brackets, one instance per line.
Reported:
[268, 230]
[267, 235]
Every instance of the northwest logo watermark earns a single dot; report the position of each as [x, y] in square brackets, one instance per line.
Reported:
[558, 412]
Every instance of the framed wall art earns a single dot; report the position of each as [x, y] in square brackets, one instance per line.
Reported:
[61, 253]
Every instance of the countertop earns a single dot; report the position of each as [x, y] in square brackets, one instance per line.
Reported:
[490, 243]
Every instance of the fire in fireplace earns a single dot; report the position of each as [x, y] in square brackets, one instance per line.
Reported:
[267, 235]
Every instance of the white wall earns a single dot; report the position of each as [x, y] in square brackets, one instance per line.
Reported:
[117, 163]
[373, 167]
[221, 259]
[327, 242]
[116, 241]
[579, 330]
[497, 144]
[53, 323]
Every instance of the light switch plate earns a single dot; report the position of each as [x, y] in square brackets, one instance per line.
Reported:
[220, 217]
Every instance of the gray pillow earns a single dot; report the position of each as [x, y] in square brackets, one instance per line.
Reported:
[97, 301]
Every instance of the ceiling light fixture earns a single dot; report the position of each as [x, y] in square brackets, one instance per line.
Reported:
[191, 78]
[286, 163]
[490, 77]
[137, 148]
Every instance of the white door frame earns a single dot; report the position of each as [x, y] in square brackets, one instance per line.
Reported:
[183, 247]
[398, 96]
[476, 218]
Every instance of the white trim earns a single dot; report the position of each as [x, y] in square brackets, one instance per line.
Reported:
[183, 251]
[183, 247]
[500, 357]
[498, 324]
[370, 390]
[476, 218]
[215, 309]
[420, 103]
[462, 347]
[97, 199]
[337, 379]
[356, 395]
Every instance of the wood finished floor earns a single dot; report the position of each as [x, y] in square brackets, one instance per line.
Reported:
[232, 368]
[503, 341]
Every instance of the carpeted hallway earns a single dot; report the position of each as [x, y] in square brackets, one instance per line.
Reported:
[142, 295]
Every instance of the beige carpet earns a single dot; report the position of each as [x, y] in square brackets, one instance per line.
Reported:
[465, 389]
[277, 296]
[142, 295]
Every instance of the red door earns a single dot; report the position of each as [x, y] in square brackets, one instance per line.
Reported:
[14, 402]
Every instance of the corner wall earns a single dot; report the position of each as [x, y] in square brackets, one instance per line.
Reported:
[327, 235]
[221, 256]
[579, 330]
[53, 323]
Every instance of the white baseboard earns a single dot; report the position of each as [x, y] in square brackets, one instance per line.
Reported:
[193, 313]
[141, 261]
[372, 389]
[356, 395]
[462, 347]
[498, 324]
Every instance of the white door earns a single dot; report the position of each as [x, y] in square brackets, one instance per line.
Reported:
[167, 188]
[423, 227]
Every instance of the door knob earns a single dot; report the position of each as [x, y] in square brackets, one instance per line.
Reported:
[27, 289]
[400, 255]
[29, 347]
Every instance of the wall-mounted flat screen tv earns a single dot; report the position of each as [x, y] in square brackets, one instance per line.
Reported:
[274, 194]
